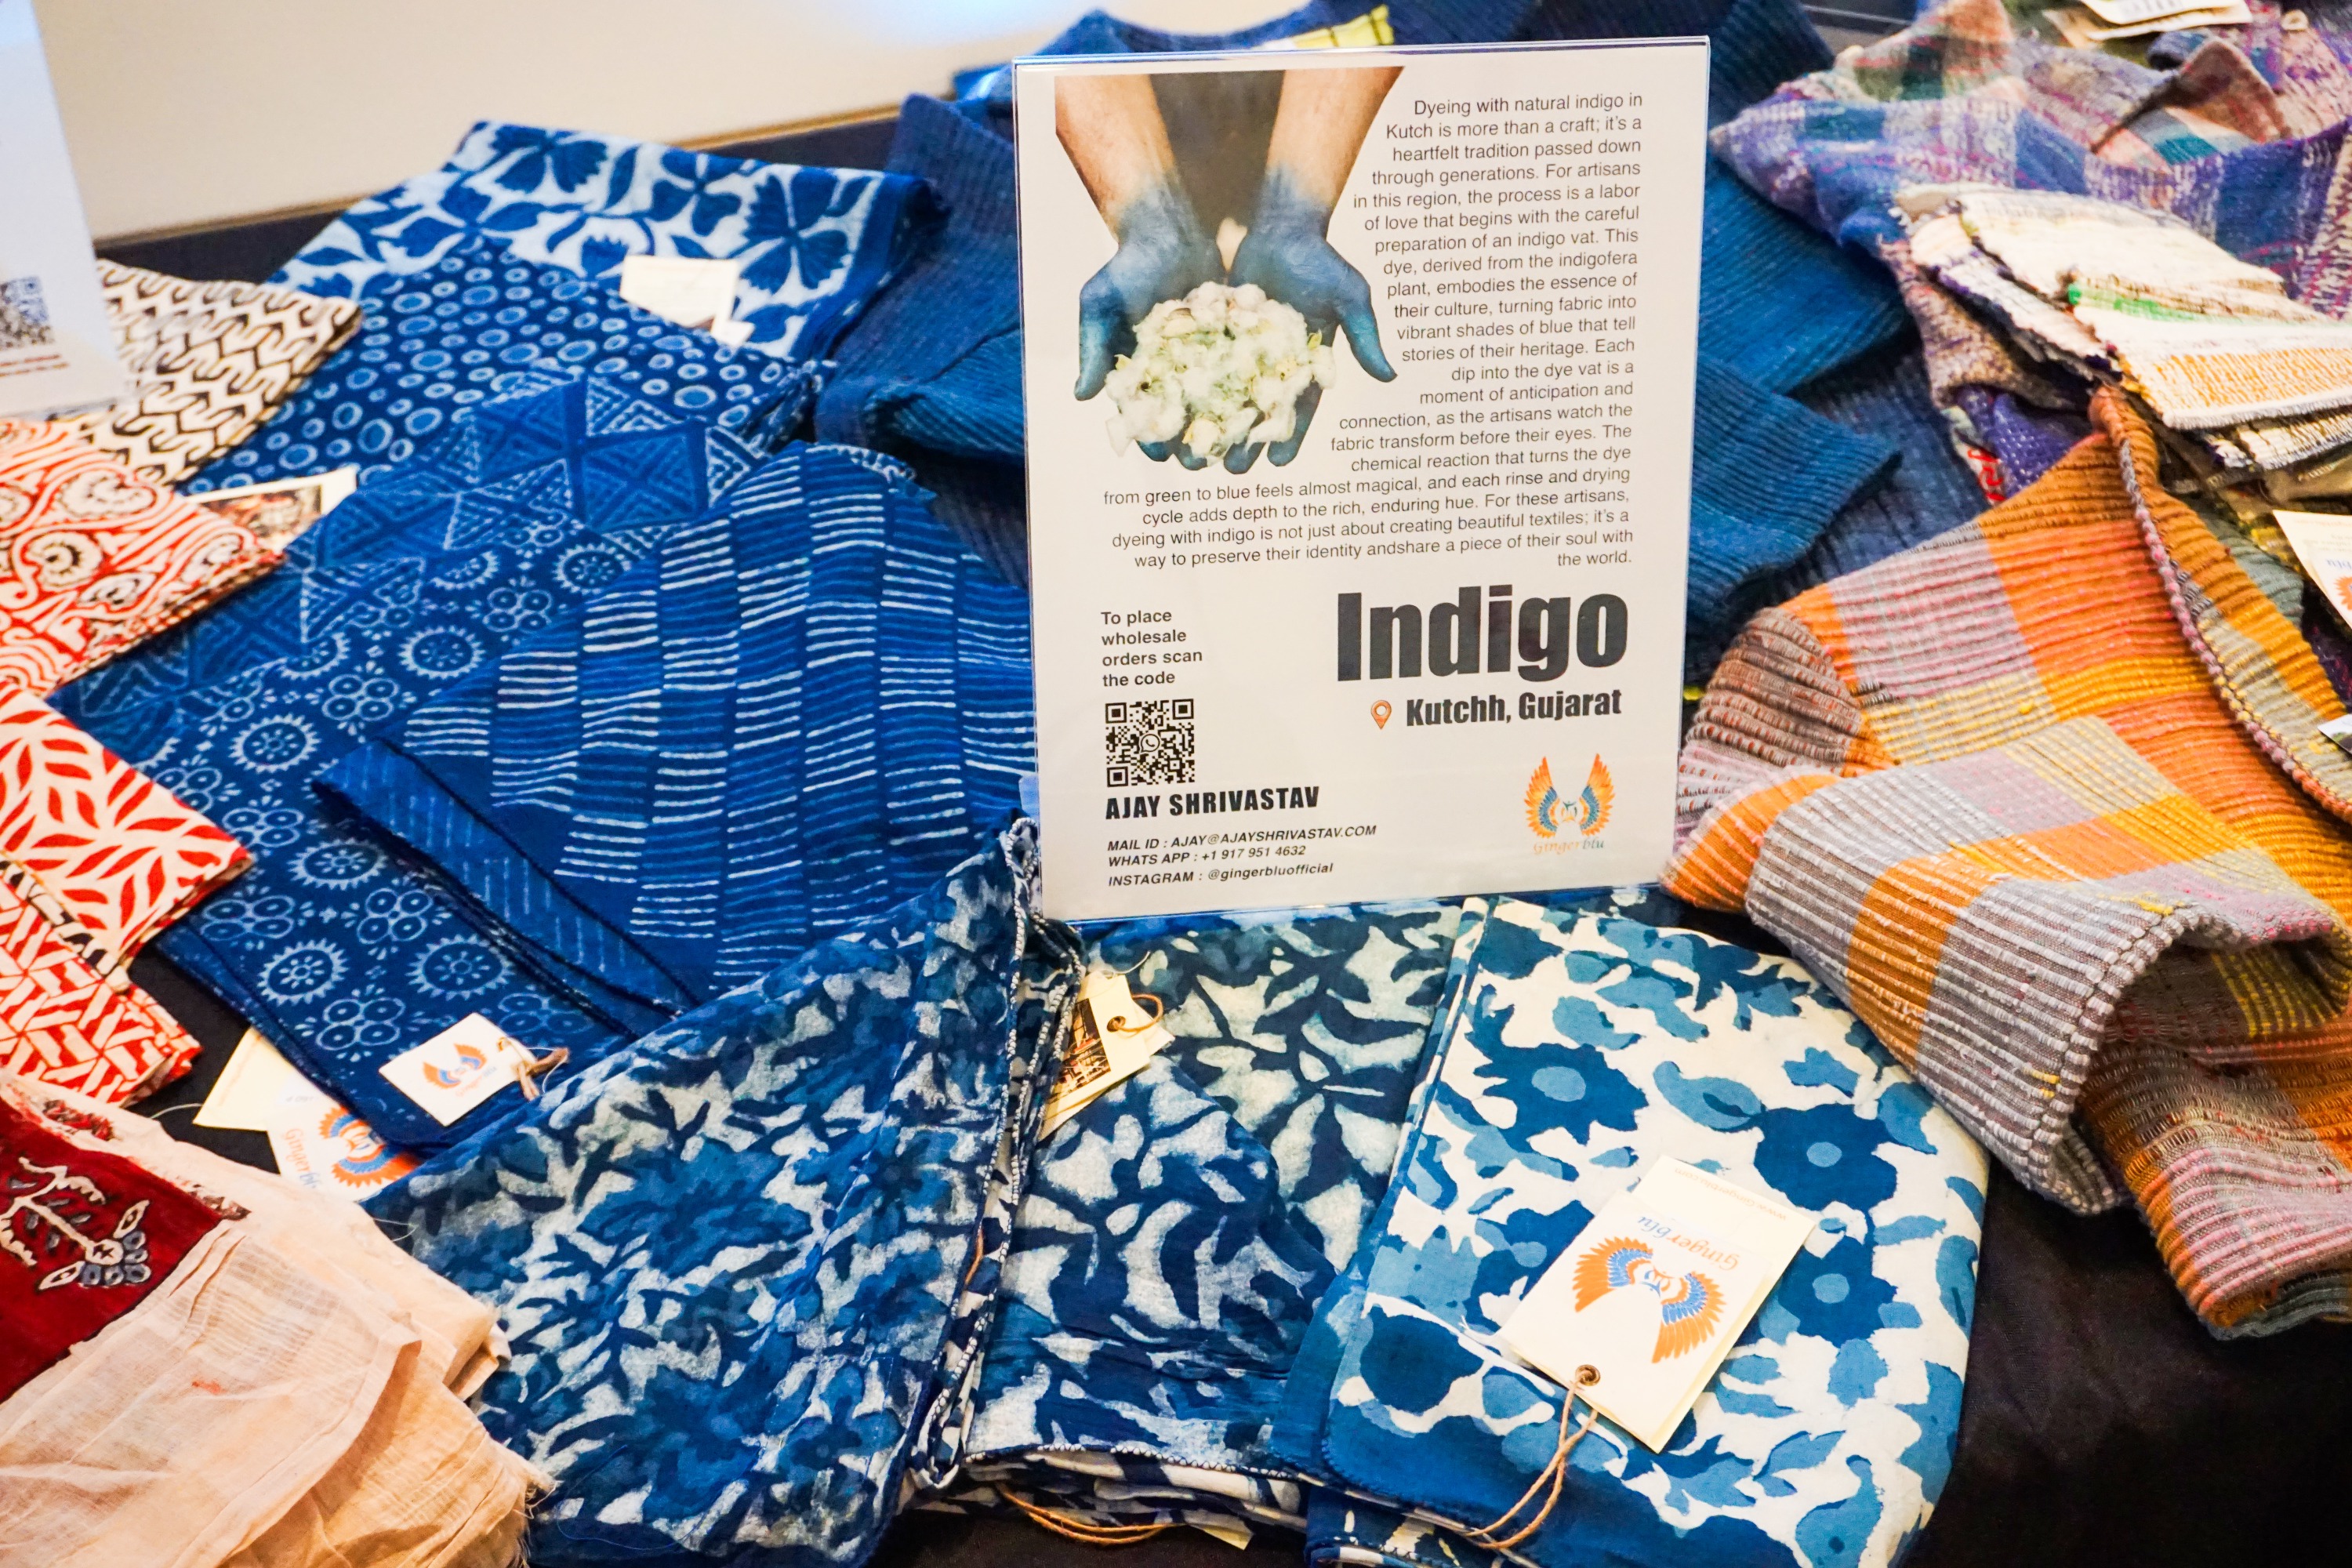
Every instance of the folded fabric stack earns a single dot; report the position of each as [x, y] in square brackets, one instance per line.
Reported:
[2045, 800]
[206, 1364]
[1571, 1051]
[2096, 292]
[746, 1266]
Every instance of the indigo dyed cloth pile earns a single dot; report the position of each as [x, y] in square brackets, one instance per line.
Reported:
[666, 704]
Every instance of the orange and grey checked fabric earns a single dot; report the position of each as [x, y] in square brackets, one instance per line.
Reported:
[207, 362]
[2044, 799]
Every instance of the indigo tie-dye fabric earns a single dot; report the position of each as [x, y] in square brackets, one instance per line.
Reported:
[435, 341]
[732, 1260]
[1574, 1051]
[1180, 1230]
[796, 711]
[814, 244]
[537, 500]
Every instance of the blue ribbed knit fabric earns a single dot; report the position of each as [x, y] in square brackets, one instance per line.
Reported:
[797, 711]
[1779, 304]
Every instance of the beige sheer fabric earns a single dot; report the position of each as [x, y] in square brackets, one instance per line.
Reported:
[291, 1395]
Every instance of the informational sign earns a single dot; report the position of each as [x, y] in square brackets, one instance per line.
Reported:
[1359, 387]
[57, 351]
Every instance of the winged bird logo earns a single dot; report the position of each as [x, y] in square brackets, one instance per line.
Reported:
[1689, 1305]
[1550, 814]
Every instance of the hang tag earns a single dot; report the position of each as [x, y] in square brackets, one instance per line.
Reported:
[1112, 1036]
[734, 334]
[458, 1069]
[1654, 1291]
[244, 1097]
[2340, 732]
[2322, 545]
[693, 291]
[322, 1146]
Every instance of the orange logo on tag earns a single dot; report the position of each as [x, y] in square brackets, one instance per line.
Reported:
[1688, 1304]
[1549, 814]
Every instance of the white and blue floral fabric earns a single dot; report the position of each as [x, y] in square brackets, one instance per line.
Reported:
[1574, 1050]
[815, 244]
[741, 1265]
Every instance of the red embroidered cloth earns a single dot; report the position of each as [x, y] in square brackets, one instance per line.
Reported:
[84, 1237]
[98, 559]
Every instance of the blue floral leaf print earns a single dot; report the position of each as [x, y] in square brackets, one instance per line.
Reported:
[682, 164]
[1801, 1452]
[1822, 1156]
[1834, 1535]
[685, 246]
[772, 324]
[330, 257]
[1939, 1416]
[465, 204]
[1724, 1104]
[598, 257]
[667, 200]
[513, 217]
[771, 269]
[562, 237]
[520, 139]
[1956, 1279]
[710, 206]
[822, 255]
[625, 172]
[576, 162]
[422, 236]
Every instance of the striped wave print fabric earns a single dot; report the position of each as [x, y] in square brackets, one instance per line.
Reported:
[796, 711]
[2044, 801]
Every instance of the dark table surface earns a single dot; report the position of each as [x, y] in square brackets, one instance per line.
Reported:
[2101, 1423]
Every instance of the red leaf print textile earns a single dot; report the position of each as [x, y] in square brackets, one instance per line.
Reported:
[84, 1236]
[97, 558]
[64, 1022]
[108, 853]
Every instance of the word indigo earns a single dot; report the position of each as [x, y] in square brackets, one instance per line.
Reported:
[1547, 635]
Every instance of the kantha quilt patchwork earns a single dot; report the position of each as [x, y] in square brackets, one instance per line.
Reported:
[1575, 1051]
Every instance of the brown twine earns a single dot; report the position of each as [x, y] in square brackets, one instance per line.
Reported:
[1079, 1530]
[533, 1069]
[1159, 1011]
[1554, 1473]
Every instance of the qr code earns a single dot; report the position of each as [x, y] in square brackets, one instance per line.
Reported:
[24, 315]
[1148, 743]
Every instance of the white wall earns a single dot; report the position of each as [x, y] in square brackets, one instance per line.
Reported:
[180, 112]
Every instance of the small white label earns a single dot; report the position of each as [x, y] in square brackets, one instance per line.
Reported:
[457, 1068]
[691, 291]
[244, 1097]
[1112, 1036]
[1654, 1291]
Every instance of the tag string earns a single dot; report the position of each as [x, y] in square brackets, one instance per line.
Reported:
[533, 1069]
[1553, 1475]
[1062, 1524]
[1159, 1011]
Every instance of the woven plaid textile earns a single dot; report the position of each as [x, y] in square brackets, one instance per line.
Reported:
[99, 558]
[1959, 899]
[208, 363]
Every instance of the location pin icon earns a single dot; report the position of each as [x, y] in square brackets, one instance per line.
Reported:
[1380, 712]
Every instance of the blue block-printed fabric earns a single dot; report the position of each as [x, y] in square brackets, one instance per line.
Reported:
[815, 244]
[1575, 1050]
[1180, 1230]
[534, 502]
[796, 711]
[440, 340]
[735, 1261]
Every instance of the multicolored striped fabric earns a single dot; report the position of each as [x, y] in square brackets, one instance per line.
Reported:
[2095, 896]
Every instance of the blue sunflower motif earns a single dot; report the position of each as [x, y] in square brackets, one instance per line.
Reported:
[302, 971]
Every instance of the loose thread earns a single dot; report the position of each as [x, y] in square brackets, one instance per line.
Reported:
[535, 1067]
[1079, 1530]
[1555, 1474]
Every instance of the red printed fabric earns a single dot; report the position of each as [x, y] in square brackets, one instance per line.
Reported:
[84, 1237]
[108, 853]
[100, 559]
[66, 1022]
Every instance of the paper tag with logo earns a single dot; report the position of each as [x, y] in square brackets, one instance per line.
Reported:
[1112, 1036]
[320, 1145]
[1654, 1291]
[691, 291]
[458, 1069]
[2323, 542]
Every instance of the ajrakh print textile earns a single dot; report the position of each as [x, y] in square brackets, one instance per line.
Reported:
[798, 1178]
[436, 342]
[84, 1236]
[814, 243]
[100, 559]
[797, 711]
[2090, 597]
[537, 501]
[292, 1391]
[207, 362]
[1575, 1051]
[1180, 1230]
